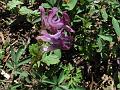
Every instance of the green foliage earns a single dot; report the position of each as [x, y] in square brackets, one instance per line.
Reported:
[104, 14]
[2, 52]
[74, 77]
[52, 2]
[70, 4]
[118, 85]
[56, 82]
[39, 56]
[24, 11]
[36, 54]
[46, 5]
[105, 37]
[16, 63]
[50, 59]
[34, 50]
[116, 26]
[12, 4]
[96, 40]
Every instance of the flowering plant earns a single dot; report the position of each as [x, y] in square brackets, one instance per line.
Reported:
[59, 29]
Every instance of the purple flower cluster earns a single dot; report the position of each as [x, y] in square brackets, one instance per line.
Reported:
[55, 30]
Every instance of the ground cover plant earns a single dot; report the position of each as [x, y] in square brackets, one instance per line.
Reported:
[59, 45]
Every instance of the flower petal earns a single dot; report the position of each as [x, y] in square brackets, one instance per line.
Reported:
[65, 18]
[69, 29]
[44, 38]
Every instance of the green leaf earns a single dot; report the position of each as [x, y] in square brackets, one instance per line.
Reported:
[118, 86]
[64, 87]
[70, 5]
[24, 74]
[34, 49]
[13, 55]
[52, 2]
[48, 81]
[106, 37]
[36, 20]
[99, 44]
[10, 65]
[57, 52]
[77, 18]
[19, 53]
[24, 62]
[116, 26]
[55, 80]
[2, 52]
[46, 5]
[78, 88]
[56, 88]
[24, 10]
[61, 77]
[15, 87]
[104, 14]
[35, 13]
[119, 76]
[12, 4]
[50, 59]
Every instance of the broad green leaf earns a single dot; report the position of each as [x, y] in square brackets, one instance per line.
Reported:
[12, 4]
[50, 59]
[24, 62]
[45, 5]
[106, 37]
[116, 26]
[24, 10]
[70, 5]
[104, 14]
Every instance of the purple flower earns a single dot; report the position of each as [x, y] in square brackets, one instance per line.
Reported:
[52, 22]
[58, 40]
[57, 27]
